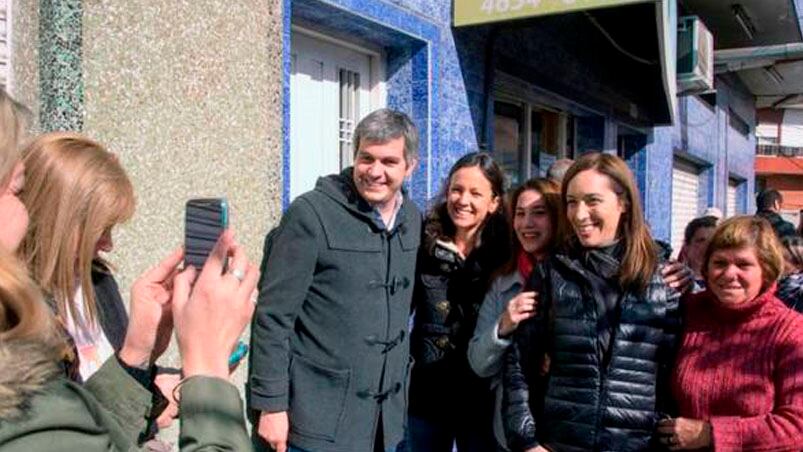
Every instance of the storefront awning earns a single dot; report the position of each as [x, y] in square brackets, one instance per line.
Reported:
[481, 12]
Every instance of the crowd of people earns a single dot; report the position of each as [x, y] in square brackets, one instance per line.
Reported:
[543, 319]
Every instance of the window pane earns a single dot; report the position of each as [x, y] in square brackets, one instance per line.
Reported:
[507, 140]
[349, 107]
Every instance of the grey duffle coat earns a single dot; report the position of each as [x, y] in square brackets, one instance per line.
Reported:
[329, 338]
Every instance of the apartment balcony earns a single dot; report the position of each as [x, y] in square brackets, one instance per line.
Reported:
[776, 150]
[774, 159]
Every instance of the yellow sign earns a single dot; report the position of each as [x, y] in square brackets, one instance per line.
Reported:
[472, 12]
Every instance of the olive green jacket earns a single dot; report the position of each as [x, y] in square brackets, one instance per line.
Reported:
[40, 410]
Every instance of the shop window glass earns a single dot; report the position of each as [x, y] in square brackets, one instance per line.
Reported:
[507, 140]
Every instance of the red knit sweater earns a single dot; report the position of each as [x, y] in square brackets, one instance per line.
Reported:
[741, 368]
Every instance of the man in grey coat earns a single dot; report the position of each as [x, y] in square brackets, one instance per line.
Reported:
[330, 356]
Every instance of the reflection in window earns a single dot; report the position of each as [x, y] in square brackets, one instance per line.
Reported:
[507, 140]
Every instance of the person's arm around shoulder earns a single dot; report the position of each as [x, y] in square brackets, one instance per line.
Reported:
[209, 319]
[288, 266]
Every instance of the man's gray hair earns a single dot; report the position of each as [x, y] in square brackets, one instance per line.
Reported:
[383, 125]
[558, 169]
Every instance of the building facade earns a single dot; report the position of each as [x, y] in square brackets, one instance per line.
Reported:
[255, 99]
[779, 157]
[258, 101]
[529, 91]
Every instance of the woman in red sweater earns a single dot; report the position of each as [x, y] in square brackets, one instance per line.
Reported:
[738, 380]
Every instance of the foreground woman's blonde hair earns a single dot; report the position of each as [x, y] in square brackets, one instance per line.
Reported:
[23, 314]
[12, 127]
[75, 190]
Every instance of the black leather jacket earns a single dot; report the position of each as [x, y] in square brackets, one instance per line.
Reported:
[447, 297]
[588, 403]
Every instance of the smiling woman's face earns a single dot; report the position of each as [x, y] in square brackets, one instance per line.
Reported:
[734, 275]
[470, 199]
[593, 208]
[532, 223]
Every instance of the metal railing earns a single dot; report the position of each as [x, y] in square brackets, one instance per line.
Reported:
[778, 150]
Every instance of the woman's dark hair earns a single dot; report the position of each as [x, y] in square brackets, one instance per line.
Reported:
[495, 233]
[698, 223]
[793, 251]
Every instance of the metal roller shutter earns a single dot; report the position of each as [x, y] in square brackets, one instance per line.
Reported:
[731, 198]
[685, 200]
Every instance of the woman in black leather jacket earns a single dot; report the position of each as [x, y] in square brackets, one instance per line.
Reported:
[588, 373]
[466, 238]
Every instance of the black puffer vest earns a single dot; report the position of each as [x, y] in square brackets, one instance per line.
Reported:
[591, 403]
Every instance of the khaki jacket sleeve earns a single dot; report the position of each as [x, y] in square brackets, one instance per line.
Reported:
[126, 401]
[212, 417]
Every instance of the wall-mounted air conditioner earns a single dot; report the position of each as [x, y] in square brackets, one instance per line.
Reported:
[695, 56]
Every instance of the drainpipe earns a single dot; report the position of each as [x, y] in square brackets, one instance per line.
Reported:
[731, 60]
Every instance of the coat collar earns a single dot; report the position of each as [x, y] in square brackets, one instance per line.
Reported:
[27, 366]
[341, 189]
[510, 281]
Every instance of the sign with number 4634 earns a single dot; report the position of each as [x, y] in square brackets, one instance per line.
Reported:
[473, 12]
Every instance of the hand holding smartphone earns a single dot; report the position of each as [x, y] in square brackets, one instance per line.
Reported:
[205, 221]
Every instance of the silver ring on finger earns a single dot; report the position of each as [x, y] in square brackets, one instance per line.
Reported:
[238, 273]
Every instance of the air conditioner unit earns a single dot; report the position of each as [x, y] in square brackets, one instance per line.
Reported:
[695, 56]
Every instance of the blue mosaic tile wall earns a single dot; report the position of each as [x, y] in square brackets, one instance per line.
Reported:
[447, 67]
[412, 46]
[658, 181]
[704, 136]
[61, 86]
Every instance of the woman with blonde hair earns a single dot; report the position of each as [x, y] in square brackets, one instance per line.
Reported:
[41, 410]
[76, 192]
[738, 378]
[606, 319]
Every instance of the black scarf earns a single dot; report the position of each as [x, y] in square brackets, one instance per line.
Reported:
[602, 271]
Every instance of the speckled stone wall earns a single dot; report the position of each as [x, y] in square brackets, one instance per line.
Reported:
[25, 55]
[188, 94]
[60, 82]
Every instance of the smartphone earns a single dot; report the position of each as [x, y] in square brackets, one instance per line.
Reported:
[204, 221]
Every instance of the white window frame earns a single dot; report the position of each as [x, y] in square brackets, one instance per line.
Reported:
[515, 91]
[377, 84]
[5, 37]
